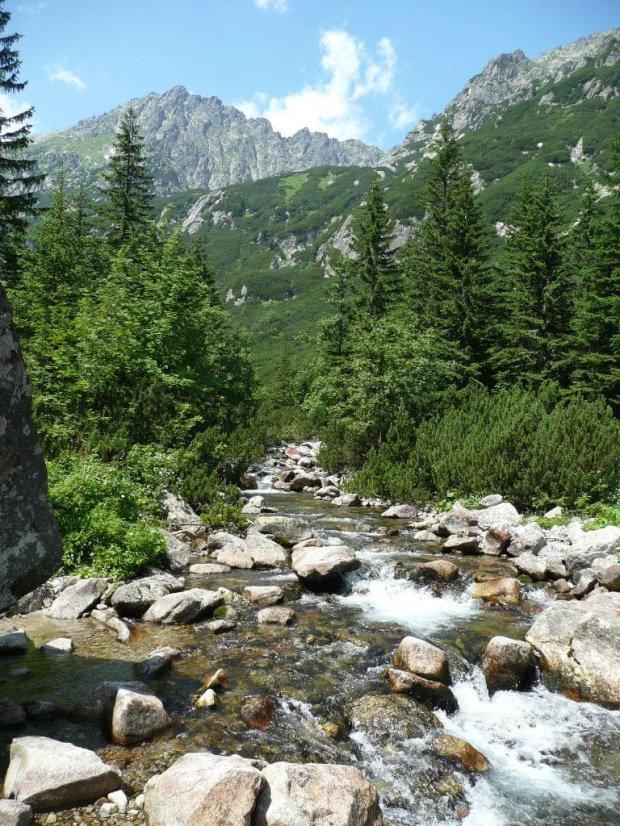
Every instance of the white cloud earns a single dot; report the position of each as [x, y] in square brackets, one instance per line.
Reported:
[10, 106]
[33, 10]
[334, 104]
[62, 75]
[402, 115]
[276, 5]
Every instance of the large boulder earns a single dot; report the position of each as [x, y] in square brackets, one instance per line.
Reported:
[184, 607]
[178, 553]
[14, 813]
[49, 774]
[422, 658]
[30, 550]
[311, 793]
[234, 557]
[579, 644]
[202, 789]
[400, 512]
[178, 511]
[321, 565]
[496, 539]
[264, 552]
[528, 538]
[438, 570]
[219, 539]
[136, 716]
[287, 530]
[505, 512]
[609, 577]
[134, 598]
[78, 599]
[507, 664]
[502, 591]
[532, 566]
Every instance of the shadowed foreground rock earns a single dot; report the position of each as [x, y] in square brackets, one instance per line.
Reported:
[30, 550]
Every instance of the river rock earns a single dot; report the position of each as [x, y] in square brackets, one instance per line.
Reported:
[387, 717]
[425, 536]
[347, 500]
[178, 553]
[584, 582]
[422, 658]
[258, 712]
[276, 615]
[78, 599]
[579, 644]
[219, 539]
[11, 714]
[208, 569]
[218, 679]
[137, 716]
[490, 501]
[184, 607]
[30, 548]
[505, 513]
[533, 566]
[234, 557]
[264, 594]
[202, 789]
[328, 492]
[107, 616]
[400, 512]
[49, 774]
[528, 538]
[311, 793]
[159, 662]
[178, 511]
[454, 748]
[439, 570]
[287, 530]
[61, 645]
[322, 565]
[14, 641]
[496, 539]
[264, 552]
[14, 813]
[134, 598]
[430, 692]
[609, 577]
[305, 480]
[507, 664]
[462, 544]
[207, 700]
[253, 506]
[501, 591]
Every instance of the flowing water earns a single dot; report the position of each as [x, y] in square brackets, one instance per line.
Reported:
[554, 761]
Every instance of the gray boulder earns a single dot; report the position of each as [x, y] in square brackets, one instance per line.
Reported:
[609, 577]
[533, 566]
[184, 607]
[490, 501]
[390, 717]
[134, 598]
[322, 565]
[13, 641]
[526, 539]
[347, 500]
[422, 658]
[78, 599]
[219, 539]
[430, 692]
[204, 788]
[276, 615]
[14, 813]
[579, 644]
[136, 716]
[49, 774]
[30, 549]
[178, 554]
[61, 645]
[507, 664]
[311, 793]
[234, 557]
[505, 512]
[159, 662]
[400, 512]
[177, 510]
[496, 539]
[287, 530]
[264, 552]
[462, 544]
[264, 594]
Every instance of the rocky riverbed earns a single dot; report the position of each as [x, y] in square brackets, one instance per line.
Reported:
[466, 664]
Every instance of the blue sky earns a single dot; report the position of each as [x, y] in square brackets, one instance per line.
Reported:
[364, 69]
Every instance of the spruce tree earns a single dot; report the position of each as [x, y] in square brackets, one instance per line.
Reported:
[204, 272]
[535, 287]
[336, 329]
[375, 266]
[596, 324]
[126, 186]
[18, 177]
[446, 263]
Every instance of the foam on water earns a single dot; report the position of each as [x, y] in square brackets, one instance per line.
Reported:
[386, 599]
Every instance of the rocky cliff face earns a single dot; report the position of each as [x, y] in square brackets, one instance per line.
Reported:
[195, 142]
[30, 548]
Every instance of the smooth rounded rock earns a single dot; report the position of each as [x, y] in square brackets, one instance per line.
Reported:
[320, 565]
[423, 659]
[459, 750]
[507, 664]
[500, 591]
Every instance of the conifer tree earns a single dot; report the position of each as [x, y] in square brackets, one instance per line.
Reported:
[375, 266]
[126, 185]
[596, 324]
[446, 263]
[536, 296]
[203, 270]
[336, 328]
[18, 176]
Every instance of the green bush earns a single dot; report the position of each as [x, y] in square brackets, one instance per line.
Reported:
[100, 511]
[536, 450]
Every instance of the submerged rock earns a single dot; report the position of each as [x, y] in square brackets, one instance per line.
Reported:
[159, 662]
[258, 712]
[423, 659]
[507, 664]
[204, 789]
[11, 714]
[388, 717]
[312, 793]
[50, 774]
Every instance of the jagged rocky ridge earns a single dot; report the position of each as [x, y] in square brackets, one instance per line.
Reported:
[195, 142]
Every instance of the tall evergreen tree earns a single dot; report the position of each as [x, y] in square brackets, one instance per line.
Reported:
[18, 177]
[204, 272]
[375, 266]
[126, 185]
[596, 325]
[446, 263]
[536, 291]
[336, 329]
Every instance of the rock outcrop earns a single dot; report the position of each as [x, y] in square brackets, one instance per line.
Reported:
[30, 550]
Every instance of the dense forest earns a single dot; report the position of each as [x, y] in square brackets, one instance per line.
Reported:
[445, 370]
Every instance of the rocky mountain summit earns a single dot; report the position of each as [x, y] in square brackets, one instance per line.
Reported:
[195, 142]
